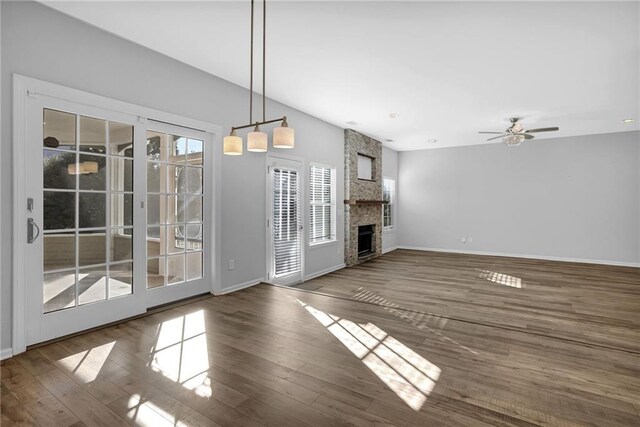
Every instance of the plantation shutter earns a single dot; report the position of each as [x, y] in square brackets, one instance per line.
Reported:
[321, 201]
[286, 222]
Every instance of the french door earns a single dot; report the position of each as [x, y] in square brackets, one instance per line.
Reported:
[115, 214]
[284, 226]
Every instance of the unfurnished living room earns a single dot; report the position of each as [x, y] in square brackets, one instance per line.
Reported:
[320, 213]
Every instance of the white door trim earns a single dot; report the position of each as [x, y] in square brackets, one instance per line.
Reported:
[24, 87]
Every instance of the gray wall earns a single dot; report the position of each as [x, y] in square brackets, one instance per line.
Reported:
[42, 43]
[573, 198]
[390, 170]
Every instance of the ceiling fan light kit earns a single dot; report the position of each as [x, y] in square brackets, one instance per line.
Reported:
[257, 141]
[515, 134]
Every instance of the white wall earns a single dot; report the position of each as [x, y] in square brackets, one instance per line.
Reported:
[390, 170]
[42, 43]
[573, 198]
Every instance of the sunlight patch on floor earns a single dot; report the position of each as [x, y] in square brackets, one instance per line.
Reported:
[409, 375]
[181, 352]
[501, 278]
[86, 365]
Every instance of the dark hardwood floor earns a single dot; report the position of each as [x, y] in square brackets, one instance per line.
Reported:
[414, 339]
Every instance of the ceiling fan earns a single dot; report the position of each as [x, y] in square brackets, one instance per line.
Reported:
[515, 134]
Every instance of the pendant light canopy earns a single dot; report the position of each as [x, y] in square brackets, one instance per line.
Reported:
[257, 142]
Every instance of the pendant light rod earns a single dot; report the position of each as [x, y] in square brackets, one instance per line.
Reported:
[265, 122]
[251, 72]
[264, 57]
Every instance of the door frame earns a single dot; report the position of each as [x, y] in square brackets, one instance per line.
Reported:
[270, 158]
[27, 87]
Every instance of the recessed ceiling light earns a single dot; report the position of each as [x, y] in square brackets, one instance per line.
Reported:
[394, 115]
[628, 120]
[352, 123]
[389, 140]
[432, 141]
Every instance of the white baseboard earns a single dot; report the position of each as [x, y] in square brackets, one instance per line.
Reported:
[239, 286]
[393, 248]
[6, 353]
[541, 257]
[325, 271]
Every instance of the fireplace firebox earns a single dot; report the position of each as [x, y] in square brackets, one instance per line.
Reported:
[365, 240]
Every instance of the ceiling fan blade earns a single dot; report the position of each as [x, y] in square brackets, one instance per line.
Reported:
[542, 130]
[496, 137]
[493, 132]
[526, 135]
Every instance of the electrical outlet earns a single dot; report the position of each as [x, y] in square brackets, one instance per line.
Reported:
[469, 239]
[232, 264]
[463, 239]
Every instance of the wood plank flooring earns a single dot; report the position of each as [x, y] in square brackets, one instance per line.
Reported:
[437, 342]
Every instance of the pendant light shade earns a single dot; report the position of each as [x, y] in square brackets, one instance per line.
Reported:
[232, 144]
[283, 136]
[257, 141]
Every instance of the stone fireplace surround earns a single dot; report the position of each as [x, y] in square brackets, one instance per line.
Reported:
[363, 197]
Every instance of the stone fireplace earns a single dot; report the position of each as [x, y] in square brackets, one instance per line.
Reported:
[363, 197]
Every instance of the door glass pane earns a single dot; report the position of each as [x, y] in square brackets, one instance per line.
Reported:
[177, 149]
[59, 210]
[193, 209]
[121, 174]
[120, 279]
[92, 172]
[175, 239]
[92, 284]
[155, 241]
[55, 169]
[194, 151]
[194, 265]
[59, 130]
[92, 247]
[121, 209]
[59, 291]
[92, 209]
[59, 250]
[174, 171]
[175, 269]
[93, 135]
[121, 245]
[120, 139]
[155, 272]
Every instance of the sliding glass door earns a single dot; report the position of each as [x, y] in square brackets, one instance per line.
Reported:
[117, 212]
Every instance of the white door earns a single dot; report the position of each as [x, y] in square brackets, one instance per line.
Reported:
[284, 226]
[178, 205]
[85, 227]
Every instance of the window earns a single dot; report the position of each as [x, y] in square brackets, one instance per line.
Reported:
[322, 212]
[388, 195]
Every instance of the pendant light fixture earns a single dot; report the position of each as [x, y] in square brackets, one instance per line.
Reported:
[257, 141]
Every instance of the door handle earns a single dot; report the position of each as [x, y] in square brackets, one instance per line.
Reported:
[31, 224]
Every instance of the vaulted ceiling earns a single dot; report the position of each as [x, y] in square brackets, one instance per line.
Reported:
[448, 69]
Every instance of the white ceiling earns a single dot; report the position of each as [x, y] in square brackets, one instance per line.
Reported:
[449, 69]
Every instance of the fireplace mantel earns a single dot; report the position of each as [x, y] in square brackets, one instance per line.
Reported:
[366, 202]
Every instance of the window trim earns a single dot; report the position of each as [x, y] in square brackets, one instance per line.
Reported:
[334, 206]
[392, 203]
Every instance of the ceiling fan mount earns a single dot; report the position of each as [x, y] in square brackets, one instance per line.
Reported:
[515, 134]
